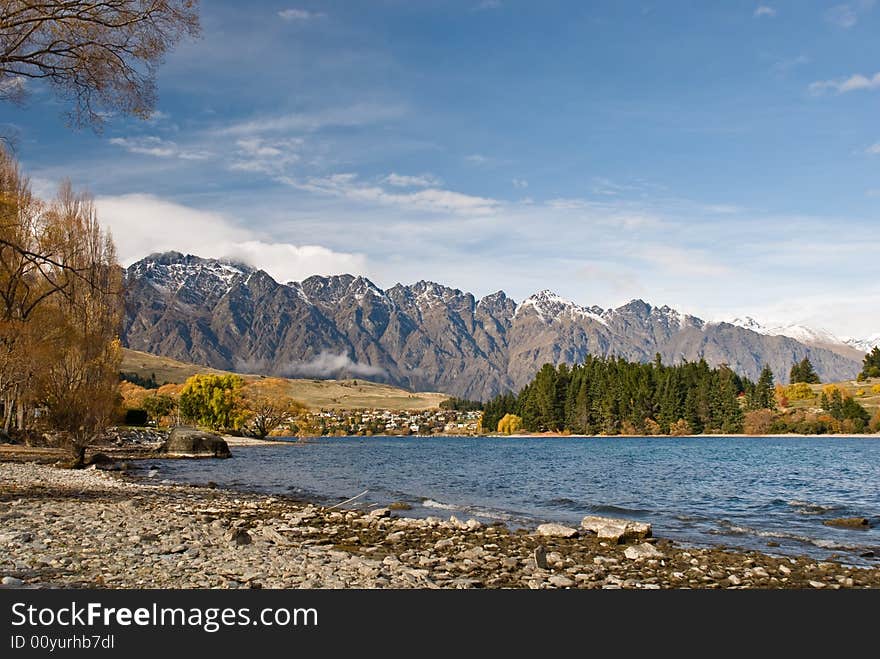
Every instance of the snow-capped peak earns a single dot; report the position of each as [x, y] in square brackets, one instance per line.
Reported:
[802, 333]
[549, 307]
[173, 271]
[749, 323]
[865, 345]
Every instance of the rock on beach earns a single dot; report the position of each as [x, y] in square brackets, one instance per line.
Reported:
[193, 443]
[616, 530]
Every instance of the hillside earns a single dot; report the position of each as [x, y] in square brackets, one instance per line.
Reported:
[868, 399]
[316, 394]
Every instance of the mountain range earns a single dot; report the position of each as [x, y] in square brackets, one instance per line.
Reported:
[426, 336]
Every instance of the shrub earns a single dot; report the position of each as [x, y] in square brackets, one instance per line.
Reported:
[759, 422]
[652, 427]
[799, 391]
[680, 428]
[509, 424]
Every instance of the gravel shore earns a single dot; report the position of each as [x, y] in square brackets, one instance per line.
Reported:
[94, 529]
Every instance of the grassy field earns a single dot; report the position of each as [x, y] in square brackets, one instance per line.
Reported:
[869, 400]
[316, 394]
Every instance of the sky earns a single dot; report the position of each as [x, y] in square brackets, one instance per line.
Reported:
[722, 158]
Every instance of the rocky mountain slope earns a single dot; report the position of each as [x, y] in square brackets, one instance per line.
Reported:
[423, 336]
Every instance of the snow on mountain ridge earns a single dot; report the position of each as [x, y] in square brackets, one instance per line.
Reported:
[798, 332]
[865, 345]
[549, 307]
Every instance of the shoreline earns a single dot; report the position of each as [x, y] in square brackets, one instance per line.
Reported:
[95, 529]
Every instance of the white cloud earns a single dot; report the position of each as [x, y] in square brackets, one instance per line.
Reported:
[142, 224]
[488, 4]
[874, 149]
[13, 87]
[520, 183]
[158, 148]
[853, 83]
[328, 364]
[403, 181]
[156, 116]
[355, 115]
[607, 187]
[847, 15]
[346, 185]
[255, 154]
[683, 261]
[563, 203]
[300, 15]
[764, 11]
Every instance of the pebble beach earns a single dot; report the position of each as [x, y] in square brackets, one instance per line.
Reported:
[94, 529]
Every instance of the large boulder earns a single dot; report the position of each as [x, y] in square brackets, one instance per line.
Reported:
[192, 443]
[616, 530]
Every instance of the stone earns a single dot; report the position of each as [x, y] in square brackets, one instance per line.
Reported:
[783, 569]
[12, 582]
[556, 531]
[379, 513]
[561, 581]
[541, 558]
[240, 537]
[397, 536]
[192, 443]
[642, 551]
[862, 523]
[473, 524]
[616, 530]
[816, 584]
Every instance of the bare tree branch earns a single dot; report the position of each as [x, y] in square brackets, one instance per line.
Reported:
[97, 55]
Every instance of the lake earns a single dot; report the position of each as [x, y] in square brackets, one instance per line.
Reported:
[736, 491]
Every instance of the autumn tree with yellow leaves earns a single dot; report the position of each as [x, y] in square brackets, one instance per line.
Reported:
[60, 312]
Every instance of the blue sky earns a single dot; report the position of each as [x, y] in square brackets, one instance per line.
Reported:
[722, 158]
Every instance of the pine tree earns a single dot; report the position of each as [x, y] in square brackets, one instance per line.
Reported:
[803, 371]
[763, 397]
[871, 363]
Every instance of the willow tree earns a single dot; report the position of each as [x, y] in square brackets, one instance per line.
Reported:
[60, 311]
[101, 56]
[78, 381]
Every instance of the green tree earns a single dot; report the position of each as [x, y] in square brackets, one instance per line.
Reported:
[159, 406]
[803, 371]
[763, 397]
[211, 400]
[871, 365]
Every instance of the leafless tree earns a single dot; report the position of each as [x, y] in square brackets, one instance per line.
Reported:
[100, 56]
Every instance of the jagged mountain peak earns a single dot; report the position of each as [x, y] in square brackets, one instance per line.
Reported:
[173, 258]
[331, 289]
[423, 336]
[636, 307]
[550, 306]
[173, 271]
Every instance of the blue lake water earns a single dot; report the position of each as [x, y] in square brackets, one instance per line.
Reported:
[736, 491]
